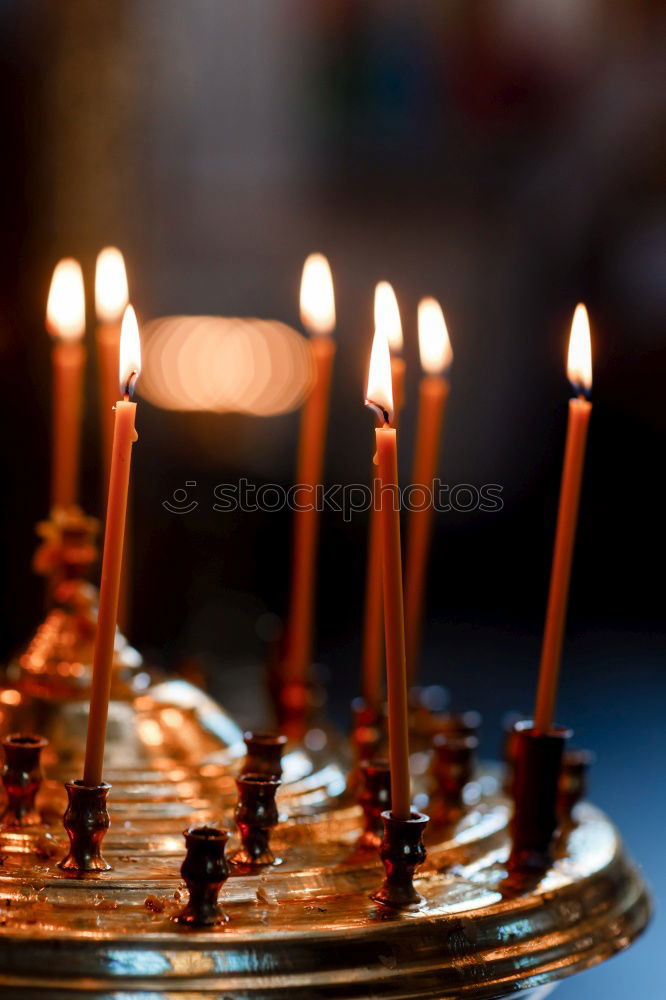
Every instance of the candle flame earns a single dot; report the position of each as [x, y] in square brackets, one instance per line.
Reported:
[579, 362]
[111, 295]
[387, 314]
[317, 297]
[380, 389]
[130, 352]
[66, 305]
[434, 343]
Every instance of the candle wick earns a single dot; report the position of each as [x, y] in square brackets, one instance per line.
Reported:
[129, 385]
[379, 410]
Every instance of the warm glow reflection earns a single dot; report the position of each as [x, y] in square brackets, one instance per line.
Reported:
[387, 314]
[579, 362]
[111, 295]
[10, 697]
[225, 364]
[434, 343]
[380, 388]
[317, 298]
[130, 352]
[66, 305]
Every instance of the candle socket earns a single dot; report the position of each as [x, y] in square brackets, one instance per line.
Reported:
[21, 776]
[297, 702]
[264, 754]
[367, 730]
[205, 870]
[374, 799]
[86, 821]
[508, 747]
[256, 814]
[402, 851]
[572, 786]
[458, 723]
[537, 767]
[453, 766]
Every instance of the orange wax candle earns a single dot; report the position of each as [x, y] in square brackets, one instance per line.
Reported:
[65, 321]
[436, 356]
[379, 397]
[111, 298]
[387, 314]
[580, 374]
[318, 315]
[123, 438]
[373, 627]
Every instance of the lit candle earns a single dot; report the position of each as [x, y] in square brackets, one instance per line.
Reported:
[579, 371]
[66, 322]
[124, 436]
[317, 305]
[379, 397]
[436, 357]
[387, 315]
[111, 298]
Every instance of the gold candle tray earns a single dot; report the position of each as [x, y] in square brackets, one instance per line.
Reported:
[306, 928]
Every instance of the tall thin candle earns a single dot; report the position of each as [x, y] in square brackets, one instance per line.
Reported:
[380, 398]
[123, 438]
[436, 357]
[318, 316]
[111, 298]
[66, 322]
[579, 371]
[387, 315]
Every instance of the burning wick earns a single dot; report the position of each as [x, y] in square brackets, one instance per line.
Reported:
[381, 413]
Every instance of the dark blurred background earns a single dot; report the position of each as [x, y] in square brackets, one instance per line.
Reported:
[506, 157]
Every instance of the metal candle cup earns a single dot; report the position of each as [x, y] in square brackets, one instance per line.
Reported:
[205, 870]
[374, 799]
[256, 815]
[86, 821]
[21, 777]
[537, 768]
[573, 781]
[264, 754]
[402, 851]
[453, 767]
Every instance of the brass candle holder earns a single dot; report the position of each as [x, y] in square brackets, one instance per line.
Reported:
[86, 822]
[256, 815]
[454, 760]
[537, 768]
[264, 754]
[572, 785]
[172, 756]
[21, 777]
[205, 870]
[402, 851]
[374, 799]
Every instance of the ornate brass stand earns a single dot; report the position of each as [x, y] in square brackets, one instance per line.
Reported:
[302, 930]
[309, 927]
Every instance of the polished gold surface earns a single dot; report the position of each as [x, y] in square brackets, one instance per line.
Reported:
[303, 929]
[307, 927]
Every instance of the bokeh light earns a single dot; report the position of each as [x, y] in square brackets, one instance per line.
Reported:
[224, 364]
